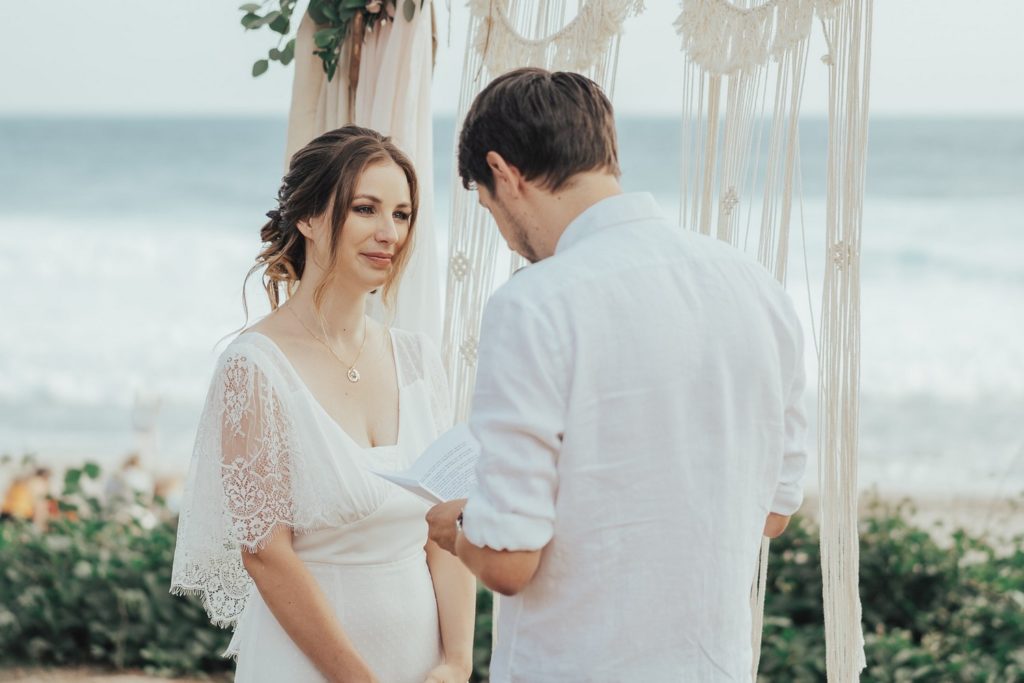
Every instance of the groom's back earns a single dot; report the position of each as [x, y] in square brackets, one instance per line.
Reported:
[679, 360]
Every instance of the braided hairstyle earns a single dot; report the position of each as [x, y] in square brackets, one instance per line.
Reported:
[322, 177]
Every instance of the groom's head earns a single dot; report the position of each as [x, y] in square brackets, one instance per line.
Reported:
[532, 136]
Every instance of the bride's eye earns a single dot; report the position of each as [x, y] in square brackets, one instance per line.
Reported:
[402, 216]
[364, 210]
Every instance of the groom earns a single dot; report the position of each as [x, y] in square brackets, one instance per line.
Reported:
[638, 404]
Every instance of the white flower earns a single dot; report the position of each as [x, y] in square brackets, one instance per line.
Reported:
[373, 7]
[58, 544]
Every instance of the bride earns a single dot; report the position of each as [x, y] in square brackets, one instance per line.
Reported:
[322, 567]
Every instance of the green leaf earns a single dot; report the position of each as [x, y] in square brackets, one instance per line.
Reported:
[409, 10]
[66, 507]
[321, 12]
[250, 7]
[72, 477]
[274, 54]
[251, 21]
[353, 4]
[263, 21]
[324, 37]
[288, 53]
[260, 67]
[92, 470]
[281, 25]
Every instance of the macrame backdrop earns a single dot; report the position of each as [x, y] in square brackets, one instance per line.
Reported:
[743, 76]
[393, 97]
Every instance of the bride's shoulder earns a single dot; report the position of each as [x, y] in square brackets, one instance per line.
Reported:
[249, 352]
[245, 342]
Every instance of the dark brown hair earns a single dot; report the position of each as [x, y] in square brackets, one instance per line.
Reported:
[322, 177]
[549, 125]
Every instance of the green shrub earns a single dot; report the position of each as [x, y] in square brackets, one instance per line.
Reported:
[93, 590]
[931, 613]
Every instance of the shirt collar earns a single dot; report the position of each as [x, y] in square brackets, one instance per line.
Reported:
[614, 210]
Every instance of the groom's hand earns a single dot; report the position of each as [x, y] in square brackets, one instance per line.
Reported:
[441, 519]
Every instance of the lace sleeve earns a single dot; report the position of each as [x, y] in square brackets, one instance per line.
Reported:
[239, 488]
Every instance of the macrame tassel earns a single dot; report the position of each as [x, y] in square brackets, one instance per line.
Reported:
[757, 592]
[848, 33]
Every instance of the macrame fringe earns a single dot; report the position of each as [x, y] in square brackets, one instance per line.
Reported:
[848, 33]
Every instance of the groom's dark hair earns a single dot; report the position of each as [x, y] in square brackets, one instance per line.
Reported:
[549, 125]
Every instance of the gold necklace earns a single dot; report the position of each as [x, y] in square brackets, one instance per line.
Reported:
[352, 374]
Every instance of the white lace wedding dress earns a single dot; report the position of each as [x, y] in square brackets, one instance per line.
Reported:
[268, 454]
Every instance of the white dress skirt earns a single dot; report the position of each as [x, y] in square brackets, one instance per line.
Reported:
[268, 454]
[376, 580]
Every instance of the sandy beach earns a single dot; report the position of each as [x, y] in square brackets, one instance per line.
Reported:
[996, 518]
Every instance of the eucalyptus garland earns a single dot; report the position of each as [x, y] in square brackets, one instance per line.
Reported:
[335, 19]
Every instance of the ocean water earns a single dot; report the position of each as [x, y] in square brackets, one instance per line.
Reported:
[124, 243]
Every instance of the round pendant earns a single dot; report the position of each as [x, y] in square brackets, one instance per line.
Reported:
[353, 375]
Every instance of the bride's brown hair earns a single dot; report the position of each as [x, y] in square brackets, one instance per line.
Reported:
[322, 177]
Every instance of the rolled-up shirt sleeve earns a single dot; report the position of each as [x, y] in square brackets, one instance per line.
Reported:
[518, 416]
[789, 494]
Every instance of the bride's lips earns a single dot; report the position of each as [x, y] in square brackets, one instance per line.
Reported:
[379, 259]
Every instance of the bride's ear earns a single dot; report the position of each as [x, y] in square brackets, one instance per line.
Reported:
[306, 228]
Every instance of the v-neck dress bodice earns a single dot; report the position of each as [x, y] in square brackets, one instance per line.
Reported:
[268, 454]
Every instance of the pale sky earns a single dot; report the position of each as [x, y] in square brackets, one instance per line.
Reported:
[192, 57]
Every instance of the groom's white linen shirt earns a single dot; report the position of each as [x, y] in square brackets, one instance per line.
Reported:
[638, 404]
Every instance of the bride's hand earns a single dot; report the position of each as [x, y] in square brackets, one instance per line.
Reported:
[447, 673]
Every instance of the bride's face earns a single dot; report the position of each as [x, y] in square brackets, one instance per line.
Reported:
[375, 230]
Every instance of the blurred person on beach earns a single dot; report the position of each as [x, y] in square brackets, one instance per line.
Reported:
[129, 492]
[27, 498]
[170, 489]
[131, 483]
[638, 404]
[324, 569]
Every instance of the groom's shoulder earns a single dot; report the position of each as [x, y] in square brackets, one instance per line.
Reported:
[535, 286]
